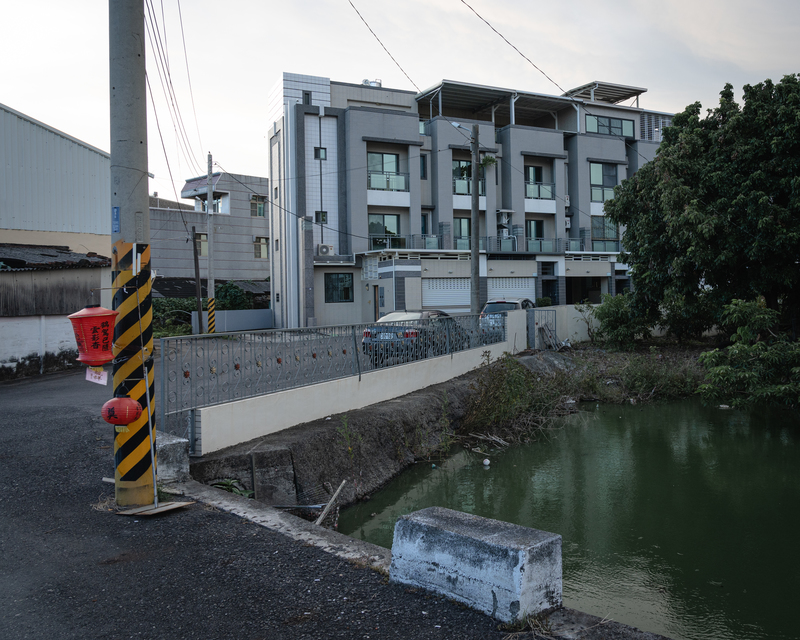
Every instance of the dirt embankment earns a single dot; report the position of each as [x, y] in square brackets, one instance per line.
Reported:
[369, 446]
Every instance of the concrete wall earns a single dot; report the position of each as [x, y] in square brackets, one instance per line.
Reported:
[229, 424]
[241, 320]
[27, 340]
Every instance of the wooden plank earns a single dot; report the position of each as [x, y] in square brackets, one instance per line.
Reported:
[151, 510]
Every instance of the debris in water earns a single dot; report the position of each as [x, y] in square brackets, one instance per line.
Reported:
[486, 462]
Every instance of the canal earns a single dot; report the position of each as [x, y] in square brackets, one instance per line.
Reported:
[678, 519]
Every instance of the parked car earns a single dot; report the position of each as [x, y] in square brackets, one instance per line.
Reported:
[404, 336]
[491, 318]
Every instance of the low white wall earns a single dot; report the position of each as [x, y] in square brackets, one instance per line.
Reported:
[34, 335]
[232, 423]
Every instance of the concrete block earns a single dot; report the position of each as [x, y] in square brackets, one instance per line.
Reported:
[501, 569]
[172, 455]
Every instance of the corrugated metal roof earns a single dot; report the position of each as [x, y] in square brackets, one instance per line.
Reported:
[199, 186]
[253, 286]
[185, 287]
[27, 257]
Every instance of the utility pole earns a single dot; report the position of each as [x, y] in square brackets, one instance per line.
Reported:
[134, 444]
[475, 284]
[212, 303]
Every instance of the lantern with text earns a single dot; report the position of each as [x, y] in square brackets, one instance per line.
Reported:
[121, 410]
[94, 333]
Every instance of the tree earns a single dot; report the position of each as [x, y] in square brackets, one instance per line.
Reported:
[716, 216]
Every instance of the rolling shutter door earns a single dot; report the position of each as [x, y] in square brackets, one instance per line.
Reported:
[448, 294]
[511, 288]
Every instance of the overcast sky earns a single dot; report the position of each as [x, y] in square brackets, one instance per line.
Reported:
[55, 57]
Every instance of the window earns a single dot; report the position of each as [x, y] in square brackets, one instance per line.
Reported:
[201, 242]
[462, 178]
[215, 208]
[257, 206]
[339, 287]
[320, 153]
[533, 174]
[276, 192]
[261, 248]
[383, 162]
[609, 126]
[424, 220]
[384, 225]
[605, 234]
[534, 228]
[321, 217]
[422, 127]
[423, 166]
[461, 227]
[603, 179]
[306, 97]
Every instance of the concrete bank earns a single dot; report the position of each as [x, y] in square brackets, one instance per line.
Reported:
[367, 447]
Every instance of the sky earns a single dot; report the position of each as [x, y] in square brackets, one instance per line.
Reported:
[56, 59]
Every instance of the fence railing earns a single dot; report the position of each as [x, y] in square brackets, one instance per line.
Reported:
[211, 369]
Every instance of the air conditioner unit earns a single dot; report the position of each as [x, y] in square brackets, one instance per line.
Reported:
[568, 223]
[503, 217]
[566, 200]
[324, 249]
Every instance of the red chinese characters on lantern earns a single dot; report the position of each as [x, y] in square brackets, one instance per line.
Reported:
[94, 334]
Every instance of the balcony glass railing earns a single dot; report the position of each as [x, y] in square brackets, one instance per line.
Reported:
[540, 190]
[543, 245]
[463, 187]
[607, 246]
[426, 242]
[377, 243]
[573, 244]
[385, 181]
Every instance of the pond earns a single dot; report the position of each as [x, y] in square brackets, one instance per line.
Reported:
[677, 519]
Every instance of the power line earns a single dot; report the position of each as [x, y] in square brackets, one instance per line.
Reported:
[188, 75]
[384, 46]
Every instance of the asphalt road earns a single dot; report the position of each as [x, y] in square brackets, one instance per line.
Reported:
[70, 567]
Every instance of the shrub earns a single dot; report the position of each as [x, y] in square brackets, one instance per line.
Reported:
[618, 326]
[544, 302]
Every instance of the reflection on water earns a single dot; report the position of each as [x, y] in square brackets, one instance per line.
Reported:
[677, 519]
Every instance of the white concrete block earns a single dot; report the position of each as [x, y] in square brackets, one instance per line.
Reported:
[501, 569]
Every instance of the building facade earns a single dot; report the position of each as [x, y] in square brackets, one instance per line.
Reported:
[371, 194]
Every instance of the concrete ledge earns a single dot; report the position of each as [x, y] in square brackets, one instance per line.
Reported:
[501, 569]
[172, 457]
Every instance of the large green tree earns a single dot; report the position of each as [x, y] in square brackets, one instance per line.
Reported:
[716, 215]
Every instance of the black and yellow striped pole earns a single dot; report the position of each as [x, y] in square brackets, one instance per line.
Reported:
[212, 303]
[133, 373]
[130, 234]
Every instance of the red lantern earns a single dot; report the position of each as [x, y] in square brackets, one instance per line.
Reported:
[94, 333]
[121, 410]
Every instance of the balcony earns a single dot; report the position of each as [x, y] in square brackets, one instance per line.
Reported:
[543, 245]
[540, 190]
[463, 187]
[415, 241]
[490, 244]
[590, 244]
[574, 244]
[387, 181]
[606, 246]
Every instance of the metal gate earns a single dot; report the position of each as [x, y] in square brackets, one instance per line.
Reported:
[542, 329]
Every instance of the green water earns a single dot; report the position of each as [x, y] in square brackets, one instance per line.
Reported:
[677, 519]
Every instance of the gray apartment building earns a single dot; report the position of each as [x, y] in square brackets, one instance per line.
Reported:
[370, 200]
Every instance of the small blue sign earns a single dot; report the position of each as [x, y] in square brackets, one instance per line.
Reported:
[115, 220]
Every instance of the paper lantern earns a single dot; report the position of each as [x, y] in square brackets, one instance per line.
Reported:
[121, 410]
[94, 333]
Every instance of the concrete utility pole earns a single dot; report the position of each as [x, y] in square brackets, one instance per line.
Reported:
[134, 444]
[212, 303]
[475, 284]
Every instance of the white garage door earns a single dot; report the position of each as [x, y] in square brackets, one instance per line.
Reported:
[448, 294]
[511, 288]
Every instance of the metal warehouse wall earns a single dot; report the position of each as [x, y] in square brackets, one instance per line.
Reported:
[51, 181]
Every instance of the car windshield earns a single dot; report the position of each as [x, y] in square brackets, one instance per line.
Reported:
[495, 307]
